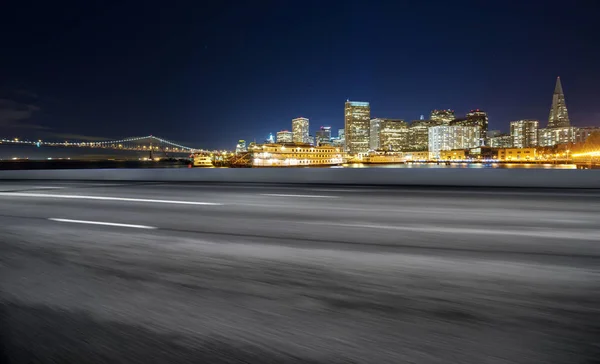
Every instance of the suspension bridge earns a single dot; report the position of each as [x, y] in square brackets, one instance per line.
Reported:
[144, 143]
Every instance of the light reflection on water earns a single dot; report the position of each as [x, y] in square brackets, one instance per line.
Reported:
[463, 165]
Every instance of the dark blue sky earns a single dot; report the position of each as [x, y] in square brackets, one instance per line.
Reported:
[210, 72]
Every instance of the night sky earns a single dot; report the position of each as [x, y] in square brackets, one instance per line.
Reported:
[208, 73]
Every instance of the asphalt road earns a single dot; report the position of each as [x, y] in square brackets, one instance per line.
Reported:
[200, 273]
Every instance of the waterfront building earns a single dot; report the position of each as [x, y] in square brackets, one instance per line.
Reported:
[241, 147]
[394, 135]
[374, 137]
[357, 118]
[295, 155]
[453, 155]
[284, 136]
[443, 116]
[450, 137]
[501, 141]
[323, 136]
[311, 140]
[581, 134]
[300, 131]
[524, 133]
[417, 156]
[559, 116]
[517, 154]
[554, 136]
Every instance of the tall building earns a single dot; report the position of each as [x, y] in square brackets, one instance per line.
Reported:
[444, 116]
[357, 119]
[300, 130]
[342, 134]
[394, 135]
[524, 133]
[501, 141]
[241, 147]
[374, 141]
[284, 136]
[553, 136]
[559, 117]
[270, 139]
[323, 136]
[479, 118]
[452, 137]
[419, 134]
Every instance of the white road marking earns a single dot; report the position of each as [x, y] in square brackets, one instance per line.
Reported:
[302, 196]
[575, 235]
[337, 190]
[103, 223]
[43, 188]
[107, 198]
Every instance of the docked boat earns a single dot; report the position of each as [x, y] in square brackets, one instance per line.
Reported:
[201, 160]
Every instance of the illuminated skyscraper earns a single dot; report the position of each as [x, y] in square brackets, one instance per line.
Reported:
[479, 118]
[300, 130]
[443, 116]
[419, 134]
[323, 136]
[524, 133]
[357, 122]
[559, 117]
[374, 141]
[394, 135]
[284, 136]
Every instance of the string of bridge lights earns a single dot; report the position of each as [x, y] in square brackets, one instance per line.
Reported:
[99, 144]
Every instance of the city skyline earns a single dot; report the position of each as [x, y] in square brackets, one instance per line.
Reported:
[111, 71]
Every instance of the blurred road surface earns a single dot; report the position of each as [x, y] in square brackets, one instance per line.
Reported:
[108, 272]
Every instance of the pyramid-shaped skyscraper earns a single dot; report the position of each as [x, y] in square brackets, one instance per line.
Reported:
[559, 117]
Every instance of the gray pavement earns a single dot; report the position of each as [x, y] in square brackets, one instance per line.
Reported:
[107, 272]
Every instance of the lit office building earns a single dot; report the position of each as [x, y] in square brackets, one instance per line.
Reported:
[554, 136]
[374, 142]
[443, 116]
[501, 141]
[342, 134]
[300, 131]
[394, 135]
[451, 137]
[357, 118]
[295, 155]
[284, 136]
[323, 136]
[419, 134]
[524, 133]
[479, 118]
[241, 147]
[581, 134]
[559, 117]
[311, 140]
